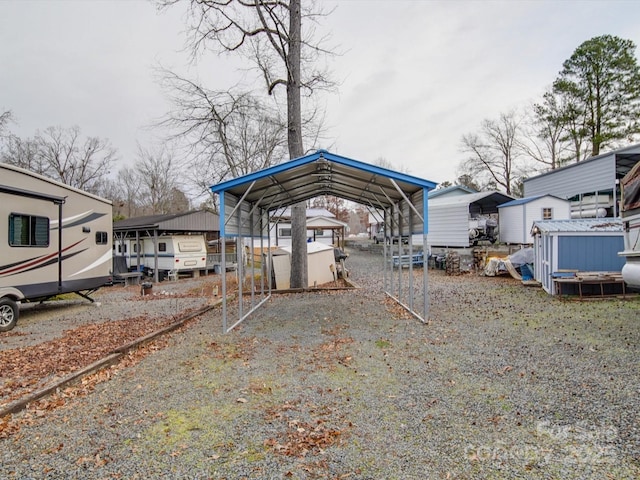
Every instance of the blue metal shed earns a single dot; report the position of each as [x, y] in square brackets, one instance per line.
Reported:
[585, 245]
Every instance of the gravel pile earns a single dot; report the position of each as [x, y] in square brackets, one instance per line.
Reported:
[503, 382]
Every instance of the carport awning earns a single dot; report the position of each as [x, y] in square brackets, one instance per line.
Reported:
[323, 173]
[247, 204]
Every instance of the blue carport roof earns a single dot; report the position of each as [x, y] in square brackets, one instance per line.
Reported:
[323, 173]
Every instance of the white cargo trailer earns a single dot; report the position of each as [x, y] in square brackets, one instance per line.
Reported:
[54, 239]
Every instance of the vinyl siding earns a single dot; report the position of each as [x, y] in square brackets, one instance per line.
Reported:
[586, 177]
[449, 225]
[590, 253]
[516, 221]
[511, 222]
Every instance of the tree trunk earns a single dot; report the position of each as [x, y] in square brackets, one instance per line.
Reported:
[299, 275]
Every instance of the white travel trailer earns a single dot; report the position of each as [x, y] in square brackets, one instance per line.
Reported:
[175, 253]
[54, 239]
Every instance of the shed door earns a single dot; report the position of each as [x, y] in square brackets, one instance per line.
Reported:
[590, 254]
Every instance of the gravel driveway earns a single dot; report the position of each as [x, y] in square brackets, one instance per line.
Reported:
[503, 382]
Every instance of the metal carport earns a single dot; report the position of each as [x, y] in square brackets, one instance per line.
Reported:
[247, 202]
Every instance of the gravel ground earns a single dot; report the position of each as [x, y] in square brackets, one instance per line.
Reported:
[39, 322]
[502, 382]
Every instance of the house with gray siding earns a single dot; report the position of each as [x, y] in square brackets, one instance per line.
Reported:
[592, 185]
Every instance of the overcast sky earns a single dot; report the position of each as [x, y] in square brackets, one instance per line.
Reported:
[415, 75]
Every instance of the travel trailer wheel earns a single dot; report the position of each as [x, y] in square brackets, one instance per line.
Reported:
[8, 314]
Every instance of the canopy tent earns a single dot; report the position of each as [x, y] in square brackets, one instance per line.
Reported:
[247, 202]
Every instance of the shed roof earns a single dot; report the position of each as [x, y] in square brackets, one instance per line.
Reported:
[486, 200]
[523, 201]
[194, 221]
[325, 222]
[323, 173]
[579, 225]
[452, 190]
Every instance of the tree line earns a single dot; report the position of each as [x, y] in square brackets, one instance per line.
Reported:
[593, 105]
[148, 186]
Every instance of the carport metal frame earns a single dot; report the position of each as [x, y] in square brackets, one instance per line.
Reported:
[248, 202]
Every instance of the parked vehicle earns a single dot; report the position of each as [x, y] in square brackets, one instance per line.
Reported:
[380, 236]
[175, 253]
[54, 239]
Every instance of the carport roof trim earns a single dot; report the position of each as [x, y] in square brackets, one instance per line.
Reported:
[286, 170]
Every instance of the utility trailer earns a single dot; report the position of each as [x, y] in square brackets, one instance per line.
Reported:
[417, 260]
[54, 239]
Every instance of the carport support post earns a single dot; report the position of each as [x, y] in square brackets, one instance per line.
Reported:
[400, 227]
[411, 295]
[425, 253]
[156, 277]
[223, 267]
[387, 272]
[239, 263]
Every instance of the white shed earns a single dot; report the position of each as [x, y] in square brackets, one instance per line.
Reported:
[321, 265]
[517, 216]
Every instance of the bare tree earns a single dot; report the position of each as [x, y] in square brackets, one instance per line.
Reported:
[269, 33]
[5, 118]
[129, 192]
[493, 152]
[25, 153]
[155, 170]
[546, 133]
[63, 155]
[228, 134]
[384, 163]
[71, 160]
[336, 205]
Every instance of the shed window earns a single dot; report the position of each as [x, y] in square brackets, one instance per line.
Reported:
[28, 231]
[547, 213]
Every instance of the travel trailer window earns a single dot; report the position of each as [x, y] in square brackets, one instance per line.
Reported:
[284, 232]
[28, 231]
[101, 238]
[162, 247]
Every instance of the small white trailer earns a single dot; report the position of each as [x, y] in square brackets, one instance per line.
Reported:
[54, 239]
[175, 253]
